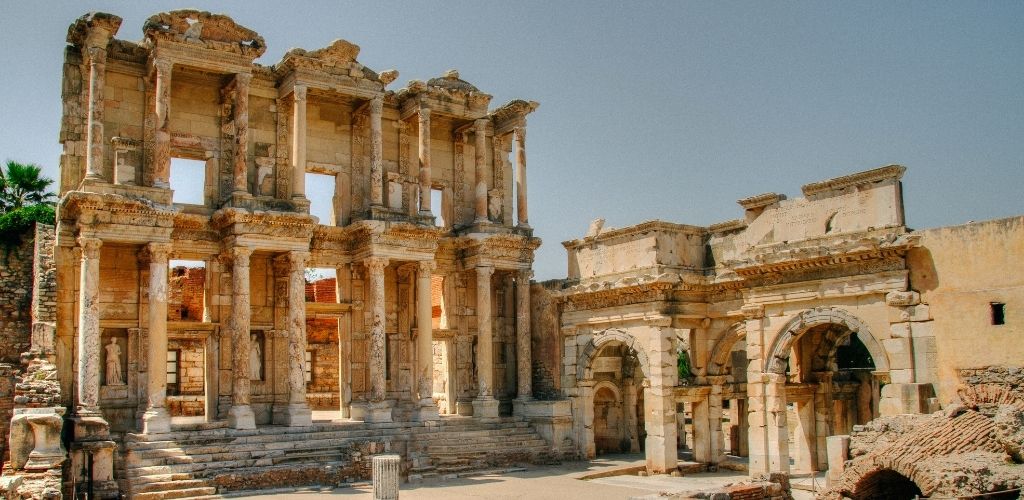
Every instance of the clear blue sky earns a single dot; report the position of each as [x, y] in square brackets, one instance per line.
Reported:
[668, 110]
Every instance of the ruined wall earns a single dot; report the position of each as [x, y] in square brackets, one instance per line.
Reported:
[959, 272]
[322, 391]
[186, 293]
[545, 340]
[15, 298]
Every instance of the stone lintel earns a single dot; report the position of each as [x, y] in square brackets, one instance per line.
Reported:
[760, 201]
[876, 175]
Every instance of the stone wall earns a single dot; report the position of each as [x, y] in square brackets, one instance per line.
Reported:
[187, 289]
[15, 298]
[546, 348]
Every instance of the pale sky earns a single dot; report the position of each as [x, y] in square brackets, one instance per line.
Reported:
[652, 110]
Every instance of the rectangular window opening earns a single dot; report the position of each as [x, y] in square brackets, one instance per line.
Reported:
[437, 206]
[173, 366]
[320, 192]
[998, 313]
[438, 308]
[186, 287]
[321, 285]
[188, 181]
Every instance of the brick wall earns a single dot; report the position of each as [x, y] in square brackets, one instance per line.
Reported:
[187, 287]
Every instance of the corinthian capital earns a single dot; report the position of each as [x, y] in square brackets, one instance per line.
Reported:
[90, 247]
[157, 253]
[375, 264]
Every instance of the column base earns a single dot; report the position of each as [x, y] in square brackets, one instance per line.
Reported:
[486, 407]
[156, 421]
[371, 412]
[427, 411]
[241, 417]
[522, 407]
[89, 426]
[293, 415]
[464, 407]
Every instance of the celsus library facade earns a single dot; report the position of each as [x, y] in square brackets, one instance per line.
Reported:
[209, 335]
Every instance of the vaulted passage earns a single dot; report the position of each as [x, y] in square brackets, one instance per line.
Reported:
[885, 484]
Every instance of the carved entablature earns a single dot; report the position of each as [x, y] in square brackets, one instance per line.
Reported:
[203, 29]
[788, 257]
[639, 294]
[501, 250]
[398, 240]
[447, 95]
[873, 176]
[512, 114]
[265, 225]
[727, 226]
[332, 68]
[193, 227]
[94, 29]
[116, 218]
[760, 201]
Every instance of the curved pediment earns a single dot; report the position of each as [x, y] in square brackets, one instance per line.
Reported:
[214, 31]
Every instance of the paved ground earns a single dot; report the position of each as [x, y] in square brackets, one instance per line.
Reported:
[554, 482]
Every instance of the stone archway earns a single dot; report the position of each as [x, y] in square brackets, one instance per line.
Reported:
[584, 370]
[722, 350]
[778, 354]
[610, 432]
[885, 484]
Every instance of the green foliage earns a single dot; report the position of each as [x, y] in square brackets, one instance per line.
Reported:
[22, 185]
[16, 222]
[684, 366]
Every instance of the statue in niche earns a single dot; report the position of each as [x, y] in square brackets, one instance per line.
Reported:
[114, 363]
[255, 358]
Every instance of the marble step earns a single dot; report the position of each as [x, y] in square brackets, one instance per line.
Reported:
[176, 493]
[149, 487]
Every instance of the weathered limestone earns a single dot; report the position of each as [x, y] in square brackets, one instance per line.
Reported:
[297, 412]
[776, 427]
[35, 441]
[240, 416]
[97, 73]
[162, 133]
[424, 154]
[156, 419]
[241, 121]
[480, 171]
[298, 156]
[377, 410]
[88, 403]
[521, 209]
[376, 152]
[424, 345]
[386, 476]
[484, 406]
[524, 367]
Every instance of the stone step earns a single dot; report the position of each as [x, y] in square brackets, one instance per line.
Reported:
[169, 485]
[176, 493]
[471, 447]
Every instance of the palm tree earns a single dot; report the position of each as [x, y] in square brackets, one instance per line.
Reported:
[22, 184]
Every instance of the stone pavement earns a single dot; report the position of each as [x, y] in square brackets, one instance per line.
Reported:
[553, 482]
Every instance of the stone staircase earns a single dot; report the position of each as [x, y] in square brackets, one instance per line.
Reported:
[208, 459]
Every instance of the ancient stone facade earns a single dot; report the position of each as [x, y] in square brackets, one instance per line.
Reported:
[761, 337]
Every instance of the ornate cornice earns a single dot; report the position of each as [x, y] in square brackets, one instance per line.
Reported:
[203, 29]
[643, 227]
[894, 172]
[882, 244]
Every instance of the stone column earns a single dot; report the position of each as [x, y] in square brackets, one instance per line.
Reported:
[240, 416]
[299, 142]
[89, 328]
[521, 212]
[378, 411]
[484, 406]
[480, 159]
[776, 425]
[702, 438]
[424, 344]
[424, 115]
[298, 412]
[156, 419]
[822, 417]
[240, 176]
[376, 152]
[386, 476]
[660, 405]
[524, 366]
[716, 451]
[162, 132]
[94, 132]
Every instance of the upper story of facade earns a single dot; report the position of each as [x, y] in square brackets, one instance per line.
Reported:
[184, 121]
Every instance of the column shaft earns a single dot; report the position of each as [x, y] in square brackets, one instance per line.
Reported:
[89, 328]
[424, 343]
[480, 198]
[378, 337]
[97, 74]
[376, 152]
[521, 209]
[156, 419]
[424, 129]
[524, 361]
[776, 425]
[162, 132]
[240, 415]
[241, 119]
[484, 406]
[297, 413]
[299, 142]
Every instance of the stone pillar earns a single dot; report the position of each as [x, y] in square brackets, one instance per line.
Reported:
[776, 423]
[240, 416]
[94, 132]
[299, 142]
[240, 173]
[660, 405]
[386, 475]
[524, 374]
[716, 451]
[424, 344]
[424, 115]
[297, 413]
[480, 170]
[89, 328]
[156, 419]
[741, 426]
[822, 417]
[162, 132]
[702, 437]
[343, 287]
[376, 152]
[484, 406]
[521, 212]
[378, 411]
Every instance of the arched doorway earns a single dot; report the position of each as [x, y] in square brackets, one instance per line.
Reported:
[829, 360]
[885, 484]
[618, 399]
